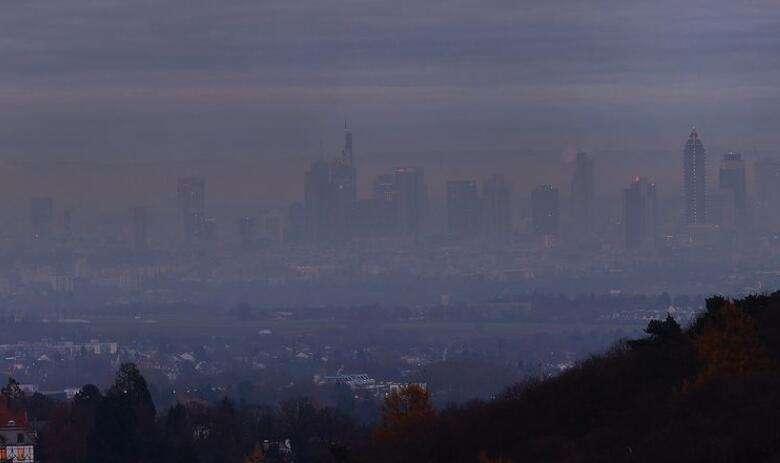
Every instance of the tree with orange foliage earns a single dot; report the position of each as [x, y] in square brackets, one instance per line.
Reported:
[405, 426]
[729, 345]
[256, 456]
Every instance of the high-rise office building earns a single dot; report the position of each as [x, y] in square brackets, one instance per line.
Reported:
[640, 213]
[463, 211]
[344, 196]
[767, 196]
[344, 180]
[330, 196]
[497, 209]
[318, 202]
[42, 218]
[582, 193]
[346, 153]
[378, 216]
[732, 180]
[192, 207]
[695, 180]
[384, 188]
[545, 210]
[412, 197]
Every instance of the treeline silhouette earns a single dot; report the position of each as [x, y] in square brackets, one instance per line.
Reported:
[122, 426]
[708, 392]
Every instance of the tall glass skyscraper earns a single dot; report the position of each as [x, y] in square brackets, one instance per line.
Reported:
[695, 165]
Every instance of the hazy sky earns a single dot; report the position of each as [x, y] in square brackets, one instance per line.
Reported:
[178, 79]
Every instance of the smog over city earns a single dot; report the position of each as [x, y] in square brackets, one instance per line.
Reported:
[411, 231]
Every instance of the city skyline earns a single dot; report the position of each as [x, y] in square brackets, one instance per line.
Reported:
[341, 177]
[411, 231]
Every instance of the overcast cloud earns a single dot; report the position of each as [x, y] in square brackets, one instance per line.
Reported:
[178, 79]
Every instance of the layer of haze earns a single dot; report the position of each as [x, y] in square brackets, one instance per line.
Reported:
[462, 87]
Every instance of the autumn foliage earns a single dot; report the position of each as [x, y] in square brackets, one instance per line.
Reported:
[728, 345]
[405, 425]
[708, 391]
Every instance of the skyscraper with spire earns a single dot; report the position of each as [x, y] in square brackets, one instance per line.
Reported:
[695, 180]
[330, 196]
[344, 185]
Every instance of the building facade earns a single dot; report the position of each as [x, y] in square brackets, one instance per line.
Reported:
[695, 180]
[545, 210]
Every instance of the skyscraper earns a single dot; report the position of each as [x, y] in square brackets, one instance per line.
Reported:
[582, 192]
[379, 215]
[42, 218]
[695, 180]
[412, 196]
[732, 180]
[346, 153]
[545, 210]
[330, 196]
[192, 207]
[318, 202]
[463, 212]
[384, 188]
[344, 191]
[497, 209]
[639, 213]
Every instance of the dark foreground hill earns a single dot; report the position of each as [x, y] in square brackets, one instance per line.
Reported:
[708, 393]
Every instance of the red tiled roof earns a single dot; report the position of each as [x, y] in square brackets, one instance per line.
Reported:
[7, 415]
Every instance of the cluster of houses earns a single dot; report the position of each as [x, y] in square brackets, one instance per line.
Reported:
[363, 385]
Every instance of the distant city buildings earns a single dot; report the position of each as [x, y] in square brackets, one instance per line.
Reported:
[640, 213]
[191, 195]
[379, 216]
[318, 201]
[393, 229]
[412, 200]
[330, 197]
[695, 180]
[463, 209]
[545, 210]
[497, 209]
